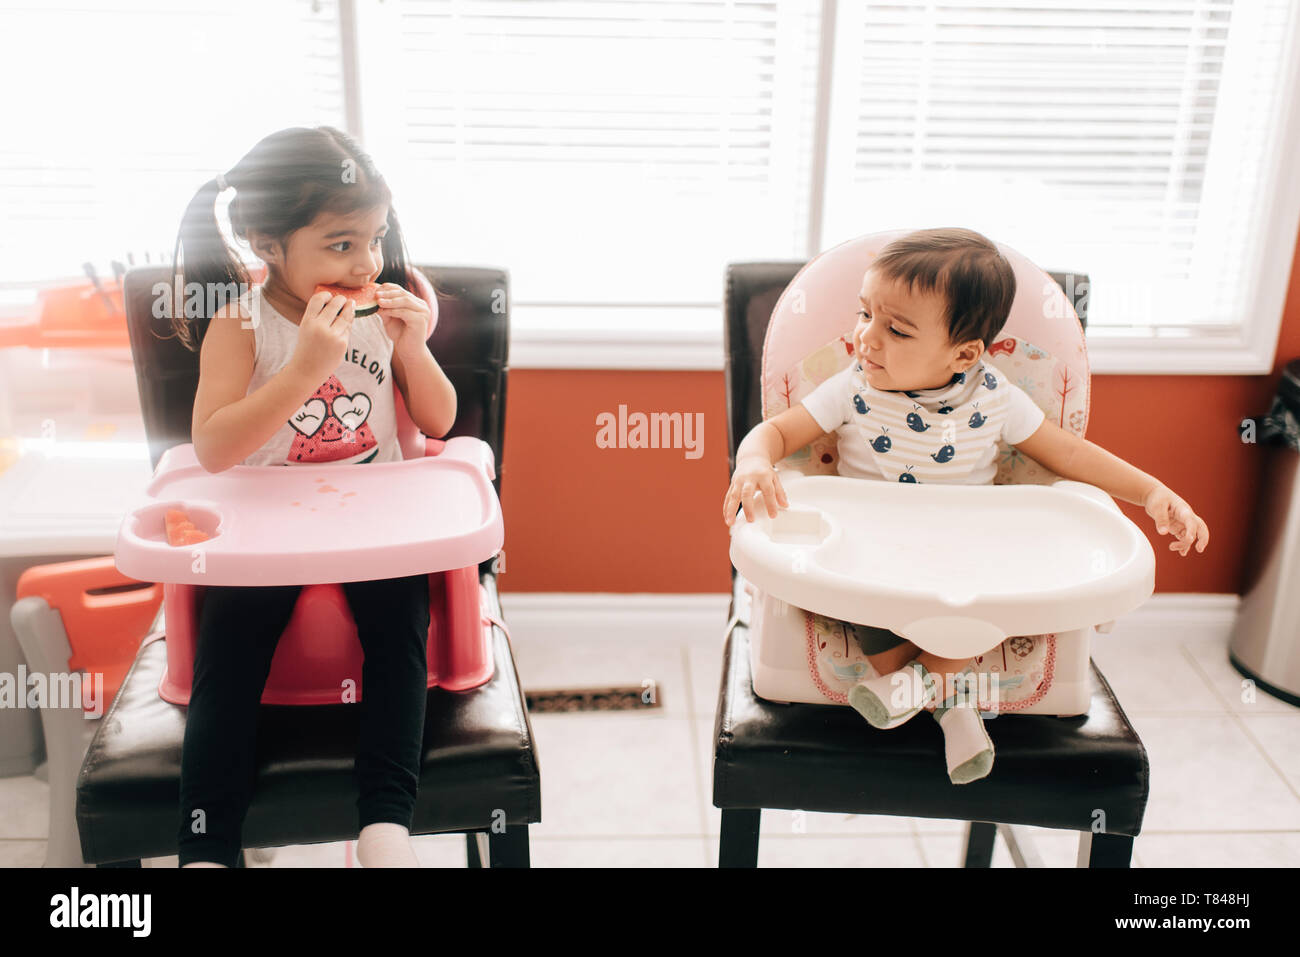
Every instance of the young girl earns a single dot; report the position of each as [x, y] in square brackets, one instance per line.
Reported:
[931, 304]
[281, 383]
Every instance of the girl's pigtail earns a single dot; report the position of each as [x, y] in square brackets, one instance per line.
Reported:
[398, 268]
[206, 273]
[396, 265]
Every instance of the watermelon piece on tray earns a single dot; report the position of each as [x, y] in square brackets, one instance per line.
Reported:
[182, 531]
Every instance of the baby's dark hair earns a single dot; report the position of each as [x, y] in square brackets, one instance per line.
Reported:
[962, 266]
[280, 186]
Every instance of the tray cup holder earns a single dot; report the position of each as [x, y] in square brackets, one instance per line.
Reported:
[798, 525]
[151, 521]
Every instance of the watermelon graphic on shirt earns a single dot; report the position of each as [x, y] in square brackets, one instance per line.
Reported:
[331, 426]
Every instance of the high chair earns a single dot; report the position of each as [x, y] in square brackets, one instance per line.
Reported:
[479, 771]
[1066, 756]
[82, 618]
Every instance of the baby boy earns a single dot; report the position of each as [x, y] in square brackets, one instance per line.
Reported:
[932, 302]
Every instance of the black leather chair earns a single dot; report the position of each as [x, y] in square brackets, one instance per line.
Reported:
[479, 772]
[1079, 773]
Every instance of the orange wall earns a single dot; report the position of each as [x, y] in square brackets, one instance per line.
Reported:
[650, 520]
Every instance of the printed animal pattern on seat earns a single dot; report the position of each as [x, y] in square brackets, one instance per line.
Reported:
[1011, 677]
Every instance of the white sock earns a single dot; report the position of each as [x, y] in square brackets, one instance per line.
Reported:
[887, 701]
[966, 744]
[203, 864]
[385, 845]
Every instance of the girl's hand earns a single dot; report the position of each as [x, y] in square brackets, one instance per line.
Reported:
[1174, 515]
[322, 336]
[406, 318]
[753, 475]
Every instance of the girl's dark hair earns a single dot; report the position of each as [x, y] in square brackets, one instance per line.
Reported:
[280, 186]
[962, 266]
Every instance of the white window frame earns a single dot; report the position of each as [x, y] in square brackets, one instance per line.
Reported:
[690, 337]
[677, 337]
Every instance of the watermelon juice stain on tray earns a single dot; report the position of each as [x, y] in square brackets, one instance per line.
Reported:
[328, 488]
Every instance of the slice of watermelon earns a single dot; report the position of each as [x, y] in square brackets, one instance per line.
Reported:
[365, 299]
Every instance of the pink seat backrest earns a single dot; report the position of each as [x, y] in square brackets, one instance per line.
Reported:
[1041, 348]
[409, 436]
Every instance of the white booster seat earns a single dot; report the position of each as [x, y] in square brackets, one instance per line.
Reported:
[1016, 575]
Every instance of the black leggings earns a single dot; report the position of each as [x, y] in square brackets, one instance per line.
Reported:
[239, 629]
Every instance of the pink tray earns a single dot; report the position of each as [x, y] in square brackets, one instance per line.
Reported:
[307, 525]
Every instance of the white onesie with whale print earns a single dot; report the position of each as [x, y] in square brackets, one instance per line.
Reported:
[947, 435]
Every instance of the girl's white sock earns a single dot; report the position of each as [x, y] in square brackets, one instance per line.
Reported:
[385, 845]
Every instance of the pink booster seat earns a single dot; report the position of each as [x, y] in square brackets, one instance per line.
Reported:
[434, 512]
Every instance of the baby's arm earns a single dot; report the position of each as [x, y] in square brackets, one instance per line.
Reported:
[1072, 457]
[766, 444]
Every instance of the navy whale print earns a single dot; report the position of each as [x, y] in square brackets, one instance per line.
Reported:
[915, 422]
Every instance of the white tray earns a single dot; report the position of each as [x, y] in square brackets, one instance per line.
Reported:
[955, 569]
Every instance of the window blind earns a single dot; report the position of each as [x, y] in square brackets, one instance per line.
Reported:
[127, 108]
[1136, 145]
[607, 152]
[623, 152]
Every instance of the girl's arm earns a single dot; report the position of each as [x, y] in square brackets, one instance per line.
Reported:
[229, 426]
[429, 395]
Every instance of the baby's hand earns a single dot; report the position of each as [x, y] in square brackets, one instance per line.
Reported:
[1174, 515]
[753, 475]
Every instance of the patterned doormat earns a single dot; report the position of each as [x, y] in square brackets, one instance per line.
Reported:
[629, 698]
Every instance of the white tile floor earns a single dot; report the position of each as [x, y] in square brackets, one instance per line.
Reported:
[634, 789]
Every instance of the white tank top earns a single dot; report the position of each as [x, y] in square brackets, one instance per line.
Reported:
[350, 418]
